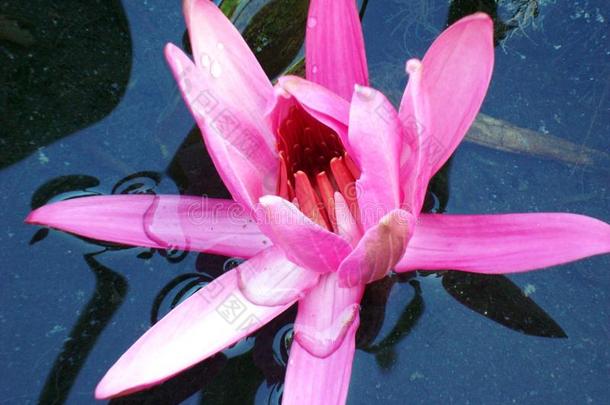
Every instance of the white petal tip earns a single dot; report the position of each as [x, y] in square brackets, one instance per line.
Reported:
[364, 92]
[479, 16]
[412, 66]
[268, 200]
[282, 92]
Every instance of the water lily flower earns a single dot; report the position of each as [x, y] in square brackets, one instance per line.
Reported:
[328, 180]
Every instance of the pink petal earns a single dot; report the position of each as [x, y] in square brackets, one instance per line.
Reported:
[322, 104]
[375, 135]
[232, 124]
[455, 74]
[347, 226]
[325, 315]
[413, 110]
[275, 282]
[378, 251]
[207, 322]
[320, 381]
[334, 46]
[303, 241]
[219, 49]
[165, 221]
[508, 243]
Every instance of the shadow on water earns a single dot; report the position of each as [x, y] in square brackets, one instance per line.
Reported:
[193, 171]
[109, 294]
[68, 67]
[372, 317]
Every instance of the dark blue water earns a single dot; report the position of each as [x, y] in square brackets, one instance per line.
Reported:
[89, 106]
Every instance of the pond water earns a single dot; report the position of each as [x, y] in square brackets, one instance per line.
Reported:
[90, 107]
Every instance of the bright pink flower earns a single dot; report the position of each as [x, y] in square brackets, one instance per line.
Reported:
[328, 181]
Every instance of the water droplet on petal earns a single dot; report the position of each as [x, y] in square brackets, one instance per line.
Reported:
[220, 46]
[215, 69]
[312, 22]
[314, 69]
[205, 60]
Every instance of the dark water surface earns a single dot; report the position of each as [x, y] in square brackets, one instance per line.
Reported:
[89, 107]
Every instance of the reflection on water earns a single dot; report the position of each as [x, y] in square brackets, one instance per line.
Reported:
[109, 294]
[65, 320]
[71, 72]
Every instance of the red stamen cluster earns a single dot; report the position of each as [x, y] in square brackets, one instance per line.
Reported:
[313, 166]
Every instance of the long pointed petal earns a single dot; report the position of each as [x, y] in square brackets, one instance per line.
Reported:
[375, 135]
[232, 124]
[314, 380]
[347, 226]
[326, 314]
[207, 322]
[498, 244]
[164, 221]
[303, 241]
[219, 49]
[412, 113]
[334, 46]
[378, 251]
[455, 74]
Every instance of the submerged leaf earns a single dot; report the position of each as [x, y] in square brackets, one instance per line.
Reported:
[229, 7]
[501, 135]
[39, 235]
[499, 299]
[276, 34]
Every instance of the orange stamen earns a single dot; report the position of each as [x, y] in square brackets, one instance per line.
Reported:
[327, 192]
[309, 202]
[346, 183]
[313, 166]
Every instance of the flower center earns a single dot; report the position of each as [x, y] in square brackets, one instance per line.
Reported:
[313, 167]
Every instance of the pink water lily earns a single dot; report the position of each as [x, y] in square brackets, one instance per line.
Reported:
[328, 181]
